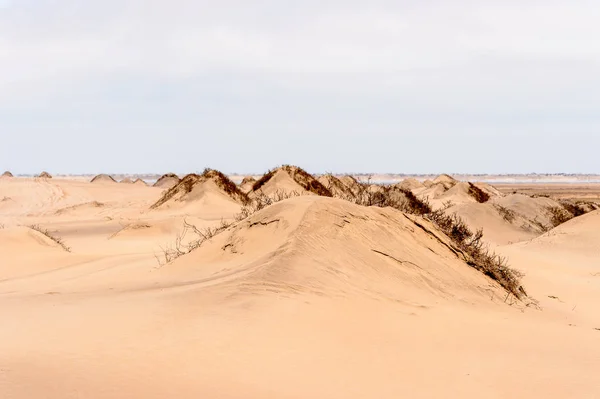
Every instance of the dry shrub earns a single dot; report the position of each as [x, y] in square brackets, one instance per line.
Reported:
[337, 188]
[566, 211]
[507, 214]
[576, 209]
[559, 215]
[477, 193]
[263, 180]
[178, 248]
[51, 236]
[415, 205]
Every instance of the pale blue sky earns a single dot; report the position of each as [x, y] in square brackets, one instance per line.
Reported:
[344, 86]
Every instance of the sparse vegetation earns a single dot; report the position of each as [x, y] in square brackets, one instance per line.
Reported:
[507, 214]
[575, 209]
[477, 193]
[51, 236]
[559, 215]
[478, 256]
[178, 248]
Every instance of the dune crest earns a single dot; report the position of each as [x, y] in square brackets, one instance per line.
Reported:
[103, 178]
[167, 180]
[289, 179]
[45, 175]
[195, 187]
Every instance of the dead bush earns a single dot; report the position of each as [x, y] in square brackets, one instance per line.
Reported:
[51, 236]
[201, 235]
[507, 214]
[576, 209]
[559, 215]
[477, 193]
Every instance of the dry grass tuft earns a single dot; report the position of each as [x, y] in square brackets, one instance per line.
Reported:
[51, 236]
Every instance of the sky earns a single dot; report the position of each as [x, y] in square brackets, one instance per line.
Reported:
[419, 86]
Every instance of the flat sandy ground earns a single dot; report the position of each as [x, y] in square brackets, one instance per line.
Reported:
[577, 191]
[310, 298]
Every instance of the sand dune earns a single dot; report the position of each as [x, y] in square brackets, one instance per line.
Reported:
[103, 178]
[167, 180]
[309, 297]
[45, 175]
[290, 180]
[247, 183]
[140, 182]
[286, 248]
[210, 193]
[337, 187]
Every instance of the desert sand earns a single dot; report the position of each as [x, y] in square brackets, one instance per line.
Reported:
[313, 296]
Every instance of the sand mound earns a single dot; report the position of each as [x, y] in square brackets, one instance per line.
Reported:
[504, 219]
[463, 192]
[445, 180]
[7, 174]
[140, 182]
[29, 251]
[195, 187]
[45, 175]
[167, 181]
[126, 180]
[410, 184]
[488, 189]
[103, 178]
[578, 235]
[286, 249]
[247, 184]
[289, 179]
[337, 188]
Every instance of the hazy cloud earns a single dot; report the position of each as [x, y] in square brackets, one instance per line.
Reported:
[386, 85]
